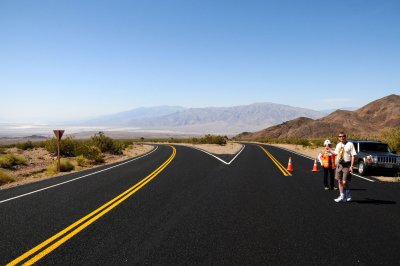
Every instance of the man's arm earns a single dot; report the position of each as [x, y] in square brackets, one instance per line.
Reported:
[351, 164]
[353, 154]
[336, 151]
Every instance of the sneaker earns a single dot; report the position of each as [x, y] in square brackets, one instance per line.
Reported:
[339, 199]
[326, 188]
[335, 188]
[347, 195]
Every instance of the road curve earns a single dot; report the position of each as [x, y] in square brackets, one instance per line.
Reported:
[195, 209]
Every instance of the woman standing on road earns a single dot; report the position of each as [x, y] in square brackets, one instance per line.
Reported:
[327, 159]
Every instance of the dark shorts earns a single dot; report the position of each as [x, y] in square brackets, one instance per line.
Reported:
[343, 172]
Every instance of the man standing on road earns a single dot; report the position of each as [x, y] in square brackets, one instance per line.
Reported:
[345, 152]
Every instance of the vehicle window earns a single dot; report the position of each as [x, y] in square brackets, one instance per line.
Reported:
[378, 147]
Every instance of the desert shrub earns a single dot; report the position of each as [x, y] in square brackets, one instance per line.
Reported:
[96, 155]
[130, 147]
[11, 160]
[106, 144]
[82, 149]
[297, 141]
[65, 166]
[212, 139]
[319, 142]
[169, 140]
[52, 168]
[5, 178]
[392, 137]
[124, 142]
[194, 140]
[67, 146]
[51, 146]
[264, 140]
[81, 160]
[25, 145]
[117, 148]
[101, 141]
[39, 144]
[91, 152]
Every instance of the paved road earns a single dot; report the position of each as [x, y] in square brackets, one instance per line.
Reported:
[179, 205]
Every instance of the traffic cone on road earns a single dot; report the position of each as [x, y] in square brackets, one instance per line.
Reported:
[315, 167]
[290, 167]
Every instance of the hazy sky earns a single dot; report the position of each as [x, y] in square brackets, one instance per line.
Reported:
[72, 59]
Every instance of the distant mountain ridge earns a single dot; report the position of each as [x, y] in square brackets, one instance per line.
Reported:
[125, 118]
[366, 121]
[215, 120]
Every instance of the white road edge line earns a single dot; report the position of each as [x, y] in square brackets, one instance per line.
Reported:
[216, 157]
[62, 183]
[308, 157]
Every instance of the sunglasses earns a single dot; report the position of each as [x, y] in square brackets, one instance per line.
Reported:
[342, 136]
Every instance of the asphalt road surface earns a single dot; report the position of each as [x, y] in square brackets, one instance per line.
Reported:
[181, 206]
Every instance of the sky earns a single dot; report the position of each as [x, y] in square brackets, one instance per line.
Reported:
[68, 60]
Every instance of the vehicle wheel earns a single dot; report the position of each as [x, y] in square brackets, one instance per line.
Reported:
[361, 168]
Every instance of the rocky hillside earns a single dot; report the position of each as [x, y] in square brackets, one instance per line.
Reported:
[367, 121]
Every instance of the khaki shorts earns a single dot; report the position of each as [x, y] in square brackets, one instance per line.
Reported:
[343, 173]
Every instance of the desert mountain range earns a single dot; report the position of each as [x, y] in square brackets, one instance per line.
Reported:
[213, 120]
[368, 120]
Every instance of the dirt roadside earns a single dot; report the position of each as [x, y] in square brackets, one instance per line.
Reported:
[38, 160]
[229, 148]
[310, 152]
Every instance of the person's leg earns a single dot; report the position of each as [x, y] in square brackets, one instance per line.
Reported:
[325, 177]
[347, 192]
[340, 183]
[339, 176]
[332, 178]
[346, 187]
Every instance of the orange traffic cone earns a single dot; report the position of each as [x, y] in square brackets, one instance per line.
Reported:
[315, 167]
[290, 167]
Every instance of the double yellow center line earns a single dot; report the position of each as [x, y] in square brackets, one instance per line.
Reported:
[277, 163]
[57, 240]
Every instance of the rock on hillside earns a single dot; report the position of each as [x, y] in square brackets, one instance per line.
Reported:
[368, 120]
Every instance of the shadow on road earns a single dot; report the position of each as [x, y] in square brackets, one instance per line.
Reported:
[357, 189]
[374, 201]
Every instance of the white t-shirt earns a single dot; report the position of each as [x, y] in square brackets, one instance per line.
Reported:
[347, 150]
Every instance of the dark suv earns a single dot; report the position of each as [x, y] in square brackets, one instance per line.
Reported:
[375, 156]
